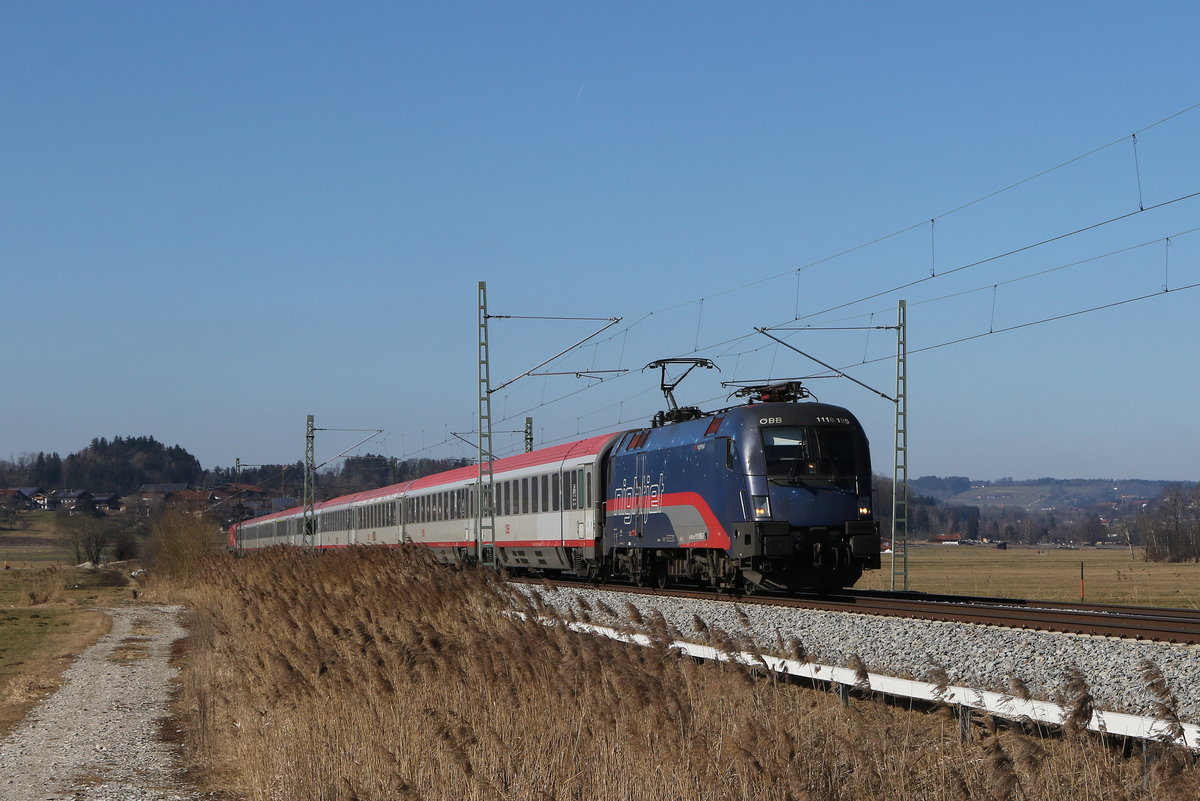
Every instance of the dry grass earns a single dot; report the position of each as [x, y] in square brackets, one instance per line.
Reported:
[372, 673]
[1110, 575]
[36, 646]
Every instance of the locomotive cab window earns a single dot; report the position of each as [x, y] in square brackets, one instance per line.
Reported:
[801, 452]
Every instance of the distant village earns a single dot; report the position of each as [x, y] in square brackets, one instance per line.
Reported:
[227, 502]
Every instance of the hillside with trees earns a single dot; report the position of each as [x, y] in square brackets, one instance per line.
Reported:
[353, 474]
[123, 464]
[119, 465]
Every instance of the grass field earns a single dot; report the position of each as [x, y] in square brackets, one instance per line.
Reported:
[37, 545]
[1110, 575]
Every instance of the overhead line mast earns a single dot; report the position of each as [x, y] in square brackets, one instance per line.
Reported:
[900, 471]
[310, 518]
[485, 511]
[485, 515]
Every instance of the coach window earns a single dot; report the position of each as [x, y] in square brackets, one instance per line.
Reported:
[554, 493]
[524, 496]
[587, 483]
[533, 495]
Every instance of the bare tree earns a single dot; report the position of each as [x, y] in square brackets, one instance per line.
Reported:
[1171, 528]
[88, 535]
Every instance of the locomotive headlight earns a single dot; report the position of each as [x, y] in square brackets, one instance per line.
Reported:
[864, 509]
[762, 506]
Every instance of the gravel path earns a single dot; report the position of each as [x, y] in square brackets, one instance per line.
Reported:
[96, 738]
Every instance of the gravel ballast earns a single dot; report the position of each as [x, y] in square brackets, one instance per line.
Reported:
[96, 738]
[979, 657]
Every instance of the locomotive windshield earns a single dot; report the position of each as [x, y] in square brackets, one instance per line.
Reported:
[799, 453]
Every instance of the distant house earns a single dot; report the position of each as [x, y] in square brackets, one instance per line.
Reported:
[70, 500]
[14, 499]
[154, 496]
[34, 497]
[946, 539]
[107, 501]
[38, 497]
[191, 499]
[242, 501]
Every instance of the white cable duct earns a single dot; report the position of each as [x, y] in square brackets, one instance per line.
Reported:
[997, 704]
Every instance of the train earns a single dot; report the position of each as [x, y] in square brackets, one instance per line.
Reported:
[772, 494]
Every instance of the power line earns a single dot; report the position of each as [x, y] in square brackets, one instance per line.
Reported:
[1004, 255]
[929, 221]
[730, 342]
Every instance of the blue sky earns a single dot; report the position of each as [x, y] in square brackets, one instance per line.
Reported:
[217, 218]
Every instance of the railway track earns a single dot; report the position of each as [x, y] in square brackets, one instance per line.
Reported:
[1108, 620]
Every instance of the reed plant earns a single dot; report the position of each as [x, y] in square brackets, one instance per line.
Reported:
[373, 673]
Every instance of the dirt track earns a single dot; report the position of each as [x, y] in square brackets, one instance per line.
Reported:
[96, 738]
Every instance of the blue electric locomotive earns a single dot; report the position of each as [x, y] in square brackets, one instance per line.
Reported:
[775, 494]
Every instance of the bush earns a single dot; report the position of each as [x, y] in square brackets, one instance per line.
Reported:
[178, 546]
